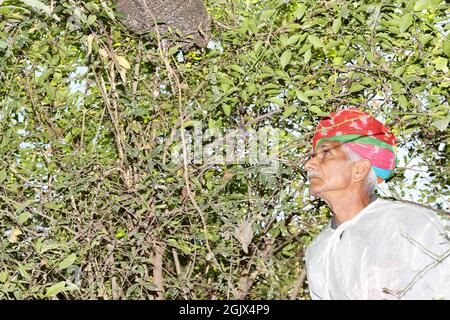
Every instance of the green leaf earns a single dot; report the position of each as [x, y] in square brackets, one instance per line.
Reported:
[399, 71]
[267, 69]
[314, 93]
[173, 243]
[3, 276]
[422, 4]
[108, 10]
[405, 22]
[302, 97]
[51, 206]
[424, 38]
[91, 6]
[283, 40]
[183, 246]
[23, 217]
[251, 89]
[292, 39]
[237, 68]
[441, 64]
[135, 126]
[315, 41]
[39, 6]
[131, 289]
[370, 56]
[282, 74]
[67, 262]
[447, 48]
[285, 58]
[344, 12]
[227, 109]
[3, 175]
[277, 101]
[442, 123]
[91, 19]
[300, 11]
[307, 56]
[397, 87]
[318, 111]
[269, 86]
[267, 14]
[47, 246]
[288, 111]
[23, 205]
[151, 286]
[121, 232]
[293, 27]
[55, 289]
[403, 102]
[337, 23]
[257, 46]
[173, 50]
[23, 272]
[356, 87]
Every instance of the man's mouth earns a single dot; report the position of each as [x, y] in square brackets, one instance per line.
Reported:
[311, 175]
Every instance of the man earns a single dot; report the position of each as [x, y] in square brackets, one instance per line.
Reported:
[373, 248]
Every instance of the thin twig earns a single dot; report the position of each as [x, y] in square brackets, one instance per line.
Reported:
[172, 74]
[428, 252]
[177, 261]
[422, 272]
[298, 284]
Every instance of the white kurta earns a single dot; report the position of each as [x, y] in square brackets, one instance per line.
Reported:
[388, 245]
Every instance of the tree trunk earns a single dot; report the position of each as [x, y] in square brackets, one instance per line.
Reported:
[188, 16]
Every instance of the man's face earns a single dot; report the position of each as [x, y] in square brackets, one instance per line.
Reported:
[328, 169]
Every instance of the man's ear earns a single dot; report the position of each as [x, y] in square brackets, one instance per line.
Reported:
[361, 169]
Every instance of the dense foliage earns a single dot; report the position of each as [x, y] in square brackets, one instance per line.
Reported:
[92, 205]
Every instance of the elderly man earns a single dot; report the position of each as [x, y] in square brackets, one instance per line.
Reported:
[372, 248]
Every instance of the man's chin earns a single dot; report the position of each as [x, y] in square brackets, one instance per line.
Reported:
[316, 186]
[313, 192]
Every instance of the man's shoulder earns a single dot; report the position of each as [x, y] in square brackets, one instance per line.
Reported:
[392, 217]
[403, 211]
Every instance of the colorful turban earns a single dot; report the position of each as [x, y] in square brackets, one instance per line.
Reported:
[363, 134]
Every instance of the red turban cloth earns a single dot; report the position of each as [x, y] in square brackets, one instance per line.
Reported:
[363, 134]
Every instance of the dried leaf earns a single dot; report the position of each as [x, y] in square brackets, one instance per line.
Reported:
[104, 54]
[123, 74]
[14, 234]
[123, 62]
[244, 234]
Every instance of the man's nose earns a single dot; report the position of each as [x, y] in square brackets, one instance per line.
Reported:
[310, 164]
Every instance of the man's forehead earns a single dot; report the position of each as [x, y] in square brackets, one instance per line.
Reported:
[328, 144]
